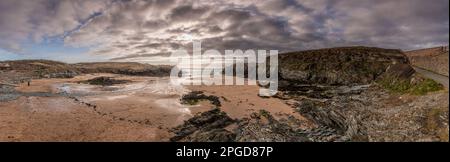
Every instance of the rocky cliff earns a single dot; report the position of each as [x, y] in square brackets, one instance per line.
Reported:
[337, 66]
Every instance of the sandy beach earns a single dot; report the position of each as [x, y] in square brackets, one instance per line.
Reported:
[144, 109]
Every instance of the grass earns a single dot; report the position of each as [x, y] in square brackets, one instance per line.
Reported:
[428, 85]
[404, 86]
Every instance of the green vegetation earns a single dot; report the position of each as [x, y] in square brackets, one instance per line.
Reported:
[404, 86]
[394, 85]
[428, 85]
[264, 113]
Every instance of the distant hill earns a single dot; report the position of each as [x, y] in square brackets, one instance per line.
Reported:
[433, 59]
[36, 65]
[28, 69]
[128, 68]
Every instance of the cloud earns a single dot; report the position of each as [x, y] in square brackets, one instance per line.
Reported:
[24, 21]
[123, 29]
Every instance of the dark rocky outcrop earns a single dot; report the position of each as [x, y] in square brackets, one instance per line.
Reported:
[211, 126]
[194, 97]
[262, 127]
[399, 71]
[105, 81]
[207, 126]
[336, 66]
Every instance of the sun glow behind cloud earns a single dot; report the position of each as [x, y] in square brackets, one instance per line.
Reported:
[148, 31]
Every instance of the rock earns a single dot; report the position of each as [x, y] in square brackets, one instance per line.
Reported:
[400, 71]
[210, 127]
[264, 128]
[201, 124]
[323, 116]
[337, 66]
[104, 81]
[214, 135]
[194, 97]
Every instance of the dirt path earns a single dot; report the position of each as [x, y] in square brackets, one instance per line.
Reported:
[444, 80]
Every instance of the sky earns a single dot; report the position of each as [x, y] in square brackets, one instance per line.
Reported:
[149, 30]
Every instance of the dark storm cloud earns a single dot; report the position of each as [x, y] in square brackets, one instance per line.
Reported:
[22, 20]
[186, 12]
[139, 29]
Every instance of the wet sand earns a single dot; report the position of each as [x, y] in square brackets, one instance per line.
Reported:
[142, 110]
[240, 101]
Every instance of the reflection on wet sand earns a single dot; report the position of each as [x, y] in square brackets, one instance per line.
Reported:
[143, 110]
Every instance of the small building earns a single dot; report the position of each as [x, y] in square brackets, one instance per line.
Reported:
[5, 66]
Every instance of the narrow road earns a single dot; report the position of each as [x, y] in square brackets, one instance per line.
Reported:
[432, 75]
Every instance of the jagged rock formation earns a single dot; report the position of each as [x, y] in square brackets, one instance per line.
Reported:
[323, 116]
[211, 126]
[341, 122]
[262, 127]
[399, 71]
